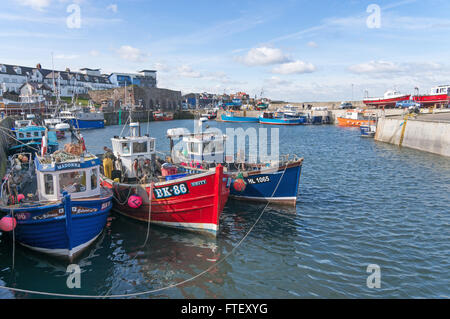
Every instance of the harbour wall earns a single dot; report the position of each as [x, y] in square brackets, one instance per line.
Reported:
[5, 142]
[112, 118]
[425, 135]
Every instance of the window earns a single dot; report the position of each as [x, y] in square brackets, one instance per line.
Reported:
[48, 184]
[28, 134]
[195, 148]
[74, 182]
[125, 148]
[152, 145]
[36, 134]
[140, 147]
[94, 179]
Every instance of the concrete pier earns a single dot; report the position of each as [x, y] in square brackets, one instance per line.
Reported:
[426, 132]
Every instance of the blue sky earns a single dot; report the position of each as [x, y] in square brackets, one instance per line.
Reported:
[293, 50]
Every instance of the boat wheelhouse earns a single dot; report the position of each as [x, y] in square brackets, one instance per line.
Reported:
[63, 208]
[134, 152]
[58, 126]
[29, 139]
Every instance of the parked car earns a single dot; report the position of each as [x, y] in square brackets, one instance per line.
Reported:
[407, 104]
[345, 105]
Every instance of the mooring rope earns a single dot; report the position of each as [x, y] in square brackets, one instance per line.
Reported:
[163, 288]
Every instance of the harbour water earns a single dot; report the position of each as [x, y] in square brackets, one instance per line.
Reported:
[360, 202]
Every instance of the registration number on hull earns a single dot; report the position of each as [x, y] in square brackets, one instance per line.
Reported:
[171, 191]
[258, 180]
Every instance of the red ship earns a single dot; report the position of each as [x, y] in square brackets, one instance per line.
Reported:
[439, 96]
[175, 199]
[389, 100]
[162, 116]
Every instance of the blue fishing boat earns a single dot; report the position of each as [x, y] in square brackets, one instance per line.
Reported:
[29, 138]
[234, 117]
[275, 182]
[281, 118]
[60, 210]
[83, 120]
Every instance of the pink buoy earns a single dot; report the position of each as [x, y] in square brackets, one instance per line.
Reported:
[20, 197]
[7, 224]
[135, 201]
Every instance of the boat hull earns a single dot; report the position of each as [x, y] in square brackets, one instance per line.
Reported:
[279, 185]
[353, 123]
[86, 124]
[386, 102]
[431, 100]
[62, 229]
[239, 119]
[283, 121]
[198, 209]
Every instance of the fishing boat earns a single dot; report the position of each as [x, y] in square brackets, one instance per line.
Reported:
[388, 100]
[61, 208]
[162, 116]
[439, 96]
[210, 115]
[30, 138]
[235, 117]
[81, 120]
[58, 126]
[275, 182]
[281, 118]
[355, 118]
[368, 130]
[149, 189]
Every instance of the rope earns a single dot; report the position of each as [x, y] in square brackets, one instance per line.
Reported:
[159, 289]
[149, 213]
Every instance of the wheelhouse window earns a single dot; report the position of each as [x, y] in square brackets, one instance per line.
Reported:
[140, 147]
[125, 148]
[48, 184]
[94, 178]
[194, 148]
[74, 182]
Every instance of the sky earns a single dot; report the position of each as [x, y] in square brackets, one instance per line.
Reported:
[290, 50]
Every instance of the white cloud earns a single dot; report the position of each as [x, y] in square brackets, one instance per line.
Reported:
[295, 67]
[129, 53]
[312, 44]
[188, 72]
[94, 53]
[263, 56]
[376, 67]
[112, 7]
[35, 4]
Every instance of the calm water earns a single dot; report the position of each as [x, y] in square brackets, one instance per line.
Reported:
[361, 202]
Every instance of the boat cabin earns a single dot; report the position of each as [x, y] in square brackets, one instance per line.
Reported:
[198, 148]
[134, 151]
[23, 123]
[443, 89]
[77, 175]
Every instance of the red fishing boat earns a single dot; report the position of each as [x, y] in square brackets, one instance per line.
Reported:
[388, 100]
[145, 188]
[162, 116]
[439, 96]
